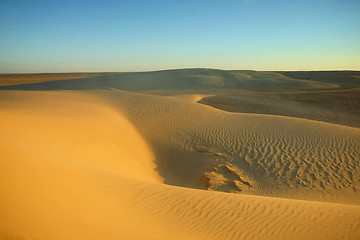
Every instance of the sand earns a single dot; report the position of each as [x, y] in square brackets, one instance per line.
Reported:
[30, 78]
[339, 106]
[114, 164]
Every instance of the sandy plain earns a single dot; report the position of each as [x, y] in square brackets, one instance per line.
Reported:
[181, 154]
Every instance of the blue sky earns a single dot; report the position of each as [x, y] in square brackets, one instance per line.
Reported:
[68, 36]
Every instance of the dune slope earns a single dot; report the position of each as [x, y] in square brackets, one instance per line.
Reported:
[197, 146]
[92, 165]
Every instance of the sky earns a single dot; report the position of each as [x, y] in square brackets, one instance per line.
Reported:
[139, 35]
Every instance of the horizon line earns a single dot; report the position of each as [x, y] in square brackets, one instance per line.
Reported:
[172, 69]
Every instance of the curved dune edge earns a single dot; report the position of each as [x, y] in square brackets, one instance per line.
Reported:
[74, 168]
[277, 156]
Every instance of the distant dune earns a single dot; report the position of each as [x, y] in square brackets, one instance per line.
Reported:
[136, 156]
[328, 96]
[15, 79]
[183, 79]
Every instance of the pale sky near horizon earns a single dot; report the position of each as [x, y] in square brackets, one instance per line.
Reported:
[76, 36]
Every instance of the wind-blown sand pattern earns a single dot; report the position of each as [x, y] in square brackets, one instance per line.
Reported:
[114, 164]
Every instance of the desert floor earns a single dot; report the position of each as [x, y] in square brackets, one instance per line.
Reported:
[180, 154]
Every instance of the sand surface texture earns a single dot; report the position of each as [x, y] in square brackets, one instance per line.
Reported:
[136, 156]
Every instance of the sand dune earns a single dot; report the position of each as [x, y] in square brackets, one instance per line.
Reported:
[338, 77]
[287, 157]
[328, 96]
[16, 79]
[181, 79]
[114, 164]
[339, 106]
